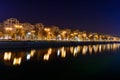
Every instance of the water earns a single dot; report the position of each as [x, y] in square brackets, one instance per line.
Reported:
[98, 61]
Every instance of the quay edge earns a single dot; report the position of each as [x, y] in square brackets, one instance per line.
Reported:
[43, 43]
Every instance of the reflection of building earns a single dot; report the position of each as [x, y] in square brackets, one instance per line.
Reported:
[16, 58]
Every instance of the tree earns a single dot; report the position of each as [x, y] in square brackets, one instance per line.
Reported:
[55, 32]
[39, 31]
[27, 30]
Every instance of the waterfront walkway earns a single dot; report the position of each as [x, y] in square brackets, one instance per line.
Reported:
[46, 43]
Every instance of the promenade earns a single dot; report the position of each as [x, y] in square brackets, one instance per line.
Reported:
[47, 43]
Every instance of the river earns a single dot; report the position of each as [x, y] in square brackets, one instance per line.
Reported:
[99, 61]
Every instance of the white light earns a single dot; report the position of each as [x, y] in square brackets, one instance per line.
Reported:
[29, 33]
[28, 57]
[58, 52]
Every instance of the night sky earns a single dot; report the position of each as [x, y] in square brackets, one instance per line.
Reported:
[102, 16]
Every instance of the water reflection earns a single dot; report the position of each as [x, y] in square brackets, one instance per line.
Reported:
[47, 55]
[7, 55]
[13, 58]
[17, 61]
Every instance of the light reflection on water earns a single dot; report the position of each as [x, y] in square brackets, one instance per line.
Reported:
[12, 58]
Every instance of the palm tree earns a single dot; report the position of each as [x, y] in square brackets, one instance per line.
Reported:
[1, 28]
[9, 24]
[84, 35]
[75, 34]
[68, 33]
[39, 31]
[27, 30]
[65, 33]
[55, 32]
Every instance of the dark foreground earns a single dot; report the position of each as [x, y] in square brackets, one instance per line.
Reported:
[98, 61]
[64, 70]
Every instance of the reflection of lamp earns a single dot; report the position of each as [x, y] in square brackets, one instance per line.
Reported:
[32, 52]
[17, 61]
[28, 56]
[84, 50]
[46, 57]
[7, 55]
[63, 52]
[90, 49]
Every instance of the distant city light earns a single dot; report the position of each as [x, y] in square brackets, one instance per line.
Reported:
[14, 30]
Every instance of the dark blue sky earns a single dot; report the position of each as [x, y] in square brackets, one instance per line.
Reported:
[100, 16]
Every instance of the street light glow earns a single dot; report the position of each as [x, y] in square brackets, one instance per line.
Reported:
[27, 31]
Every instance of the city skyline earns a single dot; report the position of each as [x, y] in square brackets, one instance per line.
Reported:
[13, 29]
[92, 16]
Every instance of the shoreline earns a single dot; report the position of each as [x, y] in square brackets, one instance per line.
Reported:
[43, 44]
